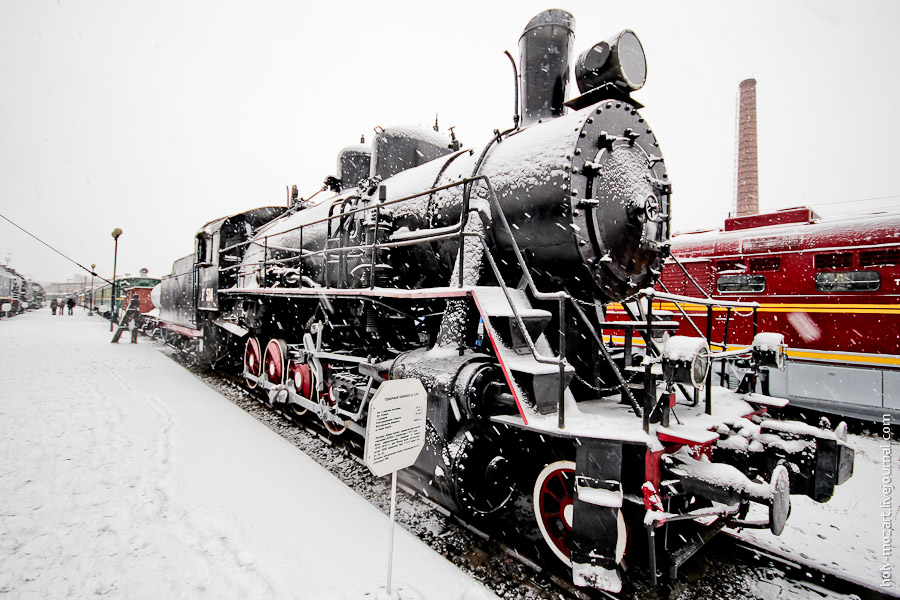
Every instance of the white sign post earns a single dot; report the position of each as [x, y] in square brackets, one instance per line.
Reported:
[395, 435]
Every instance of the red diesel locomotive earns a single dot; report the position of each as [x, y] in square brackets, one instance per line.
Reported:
[831, 287]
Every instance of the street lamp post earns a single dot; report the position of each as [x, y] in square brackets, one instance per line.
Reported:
[112, 309]
[91, 311]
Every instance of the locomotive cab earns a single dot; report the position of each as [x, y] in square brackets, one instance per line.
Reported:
[189, 296]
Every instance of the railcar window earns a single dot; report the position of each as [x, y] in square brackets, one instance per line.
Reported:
[887, 258]
[769, 263]
[848, 281]
[843, 260]
[732, 284]
[730, 265]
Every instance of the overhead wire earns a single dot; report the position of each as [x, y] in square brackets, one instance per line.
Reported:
[854, 200]
[68, 258]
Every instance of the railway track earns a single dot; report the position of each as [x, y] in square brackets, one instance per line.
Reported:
[812, 577]
[738, 570]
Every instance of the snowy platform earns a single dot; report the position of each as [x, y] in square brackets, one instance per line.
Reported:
[124, 476]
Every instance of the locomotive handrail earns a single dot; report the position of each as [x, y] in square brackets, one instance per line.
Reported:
[233, 246]
[447, 232]
[451, 232]
[382, 204]
[527, 337]
[418, 234]
[652, 293]
[562, 297]
[324, 251]
[709, 303]
[308, 253]
[685, 315]
[343, 214]
[693, 325]
[561, 359]
[599, 340]
[495, 205]
[688, 275]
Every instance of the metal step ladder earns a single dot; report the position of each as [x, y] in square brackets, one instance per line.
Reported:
[532, 366]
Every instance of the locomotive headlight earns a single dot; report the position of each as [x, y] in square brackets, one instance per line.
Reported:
[769, 350]
[686, 360]
[620, 61]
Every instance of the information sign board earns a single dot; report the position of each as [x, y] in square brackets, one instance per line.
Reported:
[395, 431]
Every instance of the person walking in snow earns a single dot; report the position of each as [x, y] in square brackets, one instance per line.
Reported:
[132, 315]
[53, 304]
[70, 303]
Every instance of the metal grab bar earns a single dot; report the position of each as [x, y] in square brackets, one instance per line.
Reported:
[652, 293]
[445, 233]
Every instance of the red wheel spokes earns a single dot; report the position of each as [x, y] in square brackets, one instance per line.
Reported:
[252, 362]
[557, 490]
[302, 378]
[274, 361]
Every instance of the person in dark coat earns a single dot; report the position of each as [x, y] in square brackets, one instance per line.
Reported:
[132, 315]
[70, 303]
[53, 305]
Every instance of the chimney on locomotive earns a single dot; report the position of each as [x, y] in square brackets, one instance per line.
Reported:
[545, 51]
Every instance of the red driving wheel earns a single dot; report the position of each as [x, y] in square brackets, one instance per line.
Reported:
[554, 499]
[301, 377]
[275, 363]
[252, 363]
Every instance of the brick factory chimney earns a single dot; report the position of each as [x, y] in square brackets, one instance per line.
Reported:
[747, 181]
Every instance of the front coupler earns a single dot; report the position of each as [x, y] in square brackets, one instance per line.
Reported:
[817, 459]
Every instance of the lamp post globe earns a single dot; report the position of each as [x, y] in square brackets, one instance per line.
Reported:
[112, 301]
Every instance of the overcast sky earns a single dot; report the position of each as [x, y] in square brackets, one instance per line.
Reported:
[157, 117]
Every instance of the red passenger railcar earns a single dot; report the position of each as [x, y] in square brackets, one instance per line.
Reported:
[143, 294]
[831, 287]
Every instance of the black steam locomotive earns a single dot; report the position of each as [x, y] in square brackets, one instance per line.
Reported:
[485, 273]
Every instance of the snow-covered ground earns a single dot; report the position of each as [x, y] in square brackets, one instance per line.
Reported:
[122, 475]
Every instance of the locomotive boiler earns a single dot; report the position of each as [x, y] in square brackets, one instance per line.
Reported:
[485, 274]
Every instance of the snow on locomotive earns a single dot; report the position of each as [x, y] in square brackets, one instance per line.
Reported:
[485, 273]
